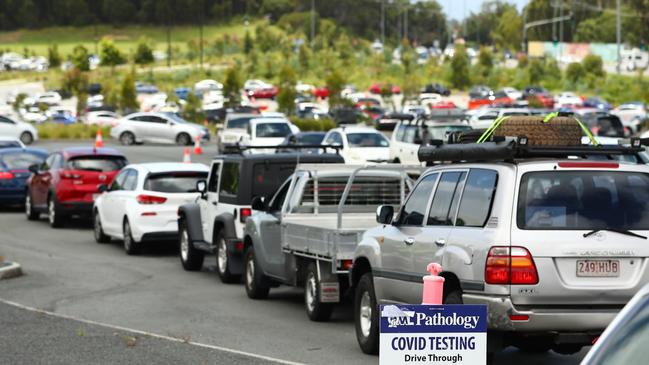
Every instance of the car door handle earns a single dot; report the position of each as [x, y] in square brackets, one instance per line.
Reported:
[409, 241]
[214, 203]
[440, 242]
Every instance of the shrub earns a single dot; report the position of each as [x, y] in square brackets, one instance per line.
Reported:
[307, 125]
[574, 72]
[53, 56]
[593, 65]
[109, 55]
[143, 53]
[460, 68]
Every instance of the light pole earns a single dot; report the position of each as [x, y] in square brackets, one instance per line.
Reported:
[618, 36]
[312, 22]
[383, 22]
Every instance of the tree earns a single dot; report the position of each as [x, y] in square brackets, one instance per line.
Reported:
[593, 65]
[287, 92]
[507, 33]
[535, 71]
[304, 55]
[485, 61]
[53, 56]
[193, 109]
[232, 86]
[460, 68]
[109, 55]
[143, 53]
[574, 72]
[128, 97]
[119, 11]
[600, 29]
[247, 43]
[79, 58]
[335, 82]
[275, 8]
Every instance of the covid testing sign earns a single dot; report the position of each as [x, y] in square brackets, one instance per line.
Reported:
[433, 334]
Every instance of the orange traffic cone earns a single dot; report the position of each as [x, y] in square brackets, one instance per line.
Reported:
[197, 146]
[206, 123]
[187, 157]
[99, 141]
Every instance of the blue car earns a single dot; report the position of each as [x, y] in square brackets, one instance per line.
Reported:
[598, 103]
[182, 92]
[14, 172]
[63, 118]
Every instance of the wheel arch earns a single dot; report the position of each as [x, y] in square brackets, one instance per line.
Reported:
[361, 267]
[451, 282]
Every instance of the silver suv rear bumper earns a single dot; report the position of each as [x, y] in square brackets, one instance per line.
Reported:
[541, 319]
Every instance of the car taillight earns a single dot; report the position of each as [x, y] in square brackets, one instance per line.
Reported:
[244, 213]
[510, 265]
[6, 175]
[69, 175]
[150, 199]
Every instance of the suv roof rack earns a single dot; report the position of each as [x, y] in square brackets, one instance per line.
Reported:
[509, 149]
[239, 149]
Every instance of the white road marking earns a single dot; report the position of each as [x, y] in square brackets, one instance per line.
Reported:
[149, 334]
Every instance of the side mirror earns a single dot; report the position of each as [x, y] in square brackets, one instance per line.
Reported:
[33, 168]
[102, 188]
[384, 214]
[258, 204]
[201, 187]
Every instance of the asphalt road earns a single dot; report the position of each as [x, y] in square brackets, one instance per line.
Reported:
[68, 273]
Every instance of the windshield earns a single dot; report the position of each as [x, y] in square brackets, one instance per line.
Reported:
[442, 131]
[175, 118]
[584, 200]
[367, 140]
[97, 163]
[239, 123]
[20, 160]
[174, 182]
[272, 130]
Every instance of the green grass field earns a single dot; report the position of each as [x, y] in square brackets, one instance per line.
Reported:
[38, 40]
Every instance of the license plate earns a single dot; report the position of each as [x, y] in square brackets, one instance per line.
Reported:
[598, 268]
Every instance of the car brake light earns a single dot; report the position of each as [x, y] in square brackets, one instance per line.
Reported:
[510, 265]
[244, 213]
[149, 214]
[590, 165]
[6, 175]
[69, 175]
[519, 317]
[150, 199]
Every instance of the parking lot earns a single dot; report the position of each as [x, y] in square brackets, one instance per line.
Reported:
[67, 273]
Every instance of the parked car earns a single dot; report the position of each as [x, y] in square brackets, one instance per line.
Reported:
[142, 88]
[66, 183]
[601, 123]
[303, 139]
[408, 136]
[539, 93]
[21, 130]
[309, 110]
[102, 118]
[512, 93]
[346, 115]
[485, 117]
[49, 98]
[551, 244]
[10, 142]
[141, 204]
[214, 223]
[597, 103]
[256, 131]
[320, 217]
[632, 114]
[14, 171]
[492, 99]
[206, 85]
[359, 145]
[567, 99]
[157, 128]
[480, 92]
[436, 89]
[388, 122]
[260, 90]
[625, 340]
[415, 110]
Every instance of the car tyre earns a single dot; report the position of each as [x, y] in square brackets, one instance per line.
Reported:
[255, 282]
[127, 138]
[190, 257]
[131, 247]
[54, 215]
[26, 138]
[366, 315]
[184, 139]
[315, 309]
[100, 236]
[30, 212]
[453, 296]
[223, 261]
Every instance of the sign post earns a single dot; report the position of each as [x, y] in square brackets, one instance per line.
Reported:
[433, 334]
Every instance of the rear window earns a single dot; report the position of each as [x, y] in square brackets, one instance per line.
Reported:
[239, 123]
[272, 130]
[97, 163]
[367, 140]
[584, 200]
[174, 182]
[310, 139]
[268, 177]
[20, 160]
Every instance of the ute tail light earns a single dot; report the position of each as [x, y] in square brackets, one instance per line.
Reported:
[244, 213]
[510, 265]
[6, 175]
[150, 199]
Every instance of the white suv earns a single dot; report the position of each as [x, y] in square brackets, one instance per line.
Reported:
[408, 136]
[359, 145]
[255, 130]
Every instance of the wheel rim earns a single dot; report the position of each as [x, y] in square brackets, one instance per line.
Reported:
[310, 292]
[222, 257]
[97, 227]
[250, 271]
[366, 314]
[183, 139]
[26, 138]
[184, 245]
[51, 212]
[127, 237]
[127, 138]
[28, 205]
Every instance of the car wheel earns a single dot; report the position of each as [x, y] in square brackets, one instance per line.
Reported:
[130, 246]
[453, 297]
[366, 315]
[100, 236]
[54, 215]
[183, 139]
[30, 212]
[315, 309]
[26, 138]
[190, 257]
[127, 138]
[256, 288]
[223, 261]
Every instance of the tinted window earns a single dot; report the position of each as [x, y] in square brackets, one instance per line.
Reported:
[230, 179]
[97, 163]
[278, 200]
[413, 211]
[367, 140]
[400, 132]
[267, 177]
[410, 133]
[213, 184]
[118, 182]
[174, 182]
[309, 138]
[239, 123]
[20, 160]
[440, 210]
[272, 130]
[584, 200]
[6, 120]
[334, 139]
[479, 191]
[130, 183]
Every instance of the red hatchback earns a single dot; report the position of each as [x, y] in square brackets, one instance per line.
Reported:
[66, 184]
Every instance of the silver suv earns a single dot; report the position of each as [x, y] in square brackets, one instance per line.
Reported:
[555, 245]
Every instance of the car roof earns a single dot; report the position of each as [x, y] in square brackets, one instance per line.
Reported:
[269, 120]
[70, 152]
[39, 151]
[280, 157]
[159, 167]
[355, 130]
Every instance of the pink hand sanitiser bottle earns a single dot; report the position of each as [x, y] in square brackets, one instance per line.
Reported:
[433, 285]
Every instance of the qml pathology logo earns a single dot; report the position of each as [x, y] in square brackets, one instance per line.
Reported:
[398, 317]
